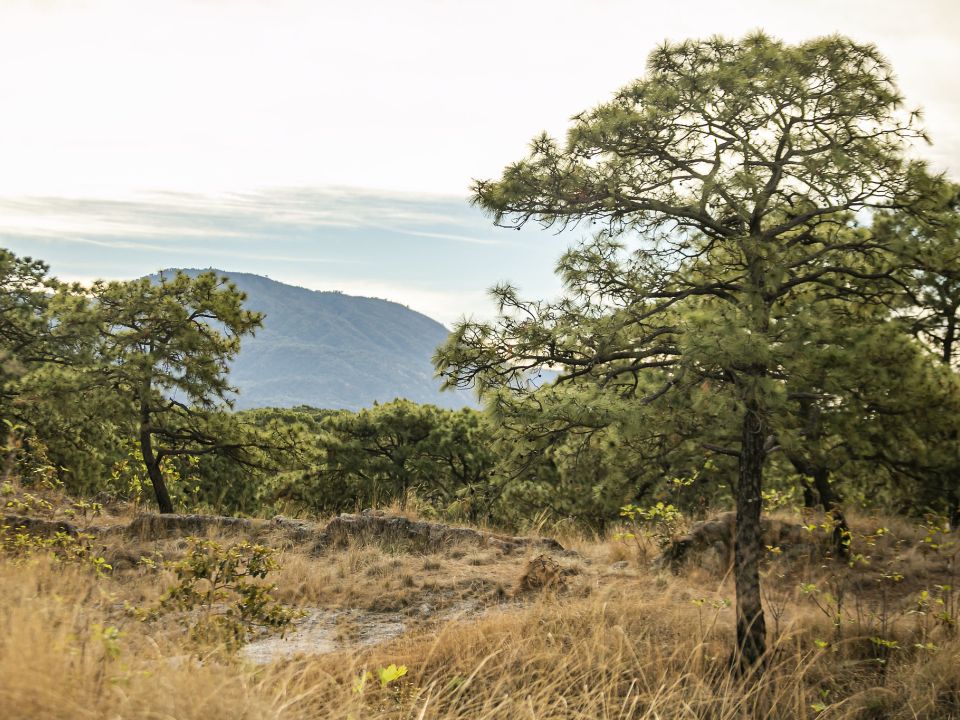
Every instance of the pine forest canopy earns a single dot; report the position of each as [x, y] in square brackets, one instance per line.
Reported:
[121, 385]
[740, 170]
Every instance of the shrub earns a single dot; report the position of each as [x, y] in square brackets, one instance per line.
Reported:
[221, 595]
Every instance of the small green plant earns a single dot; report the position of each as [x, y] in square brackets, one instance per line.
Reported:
[220, 593]
[391, 692]
[936, 609]
[84, 511]
[829, 600]
[21, 545]
[937, 536]
[29, 504]
[109, 637]
[778, 499]
[822, 705]
[659, 523]
[717, 606]
[835, 534]
[390, 674]
[26, 464]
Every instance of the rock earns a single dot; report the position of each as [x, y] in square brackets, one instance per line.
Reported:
[421, 535]
[38, 526]
[620, 565]
[295, 530]
[425, 610]
[157, 527]
[369, 525]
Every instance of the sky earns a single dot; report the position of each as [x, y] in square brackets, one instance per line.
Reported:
[332, 144]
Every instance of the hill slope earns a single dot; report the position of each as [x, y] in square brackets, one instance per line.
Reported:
[331, 350]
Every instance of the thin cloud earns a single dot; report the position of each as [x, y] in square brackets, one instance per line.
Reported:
[448, 236]
[115, 244]
[249, 215]
[289, 234]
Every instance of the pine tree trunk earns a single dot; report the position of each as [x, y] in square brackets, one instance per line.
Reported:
[954, 510]
[751, 625]
[748, 540]
[949, 338]
[826, 497]
[153, 466]
[831, 504]
[809, 499]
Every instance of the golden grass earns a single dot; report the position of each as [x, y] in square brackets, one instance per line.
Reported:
[619, 643]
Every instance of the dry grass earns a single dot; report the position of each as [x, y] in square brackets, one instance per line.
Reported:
[616, 643]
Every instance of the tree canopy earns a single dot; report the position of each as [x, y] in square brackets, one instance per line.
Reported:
[165, 345]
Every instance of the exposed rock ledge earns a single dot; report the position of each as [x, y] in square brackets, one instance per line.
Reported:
[338, 532]
[422, 535]
[37, 526]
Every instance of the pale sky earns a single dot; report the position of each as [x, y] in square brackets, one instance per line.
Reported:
[237, 106]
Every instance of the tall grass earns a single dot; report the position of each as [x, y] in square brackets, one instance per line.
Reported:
[644, 646]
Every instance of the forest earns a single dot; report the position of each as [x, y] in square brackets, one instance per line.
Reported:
[761, 317]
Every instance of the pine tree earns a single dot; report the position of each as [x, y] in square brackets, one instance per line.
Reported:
[732, 171]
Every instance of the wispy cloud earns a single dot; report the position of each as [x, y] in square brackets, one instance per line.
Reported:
[179, 248]
[435, 254]
[239, 215]
[450, 236]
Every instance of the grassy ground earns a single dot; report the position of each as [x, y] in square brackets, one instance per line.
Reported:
[614, 638]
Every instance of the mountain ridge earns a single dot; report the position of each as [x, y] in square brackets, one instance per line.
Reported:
[332, 350]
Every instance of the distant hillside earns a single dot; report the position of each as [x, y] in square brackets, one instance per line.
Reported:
[331, 350]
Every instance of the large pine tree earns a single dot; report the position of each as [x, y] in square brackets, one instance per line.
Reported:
[735, 170]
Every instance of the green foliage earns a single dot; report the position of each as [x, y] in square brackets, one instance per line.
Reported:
[27, 335]
[164, 347]
[881, 616]
[397, 450]
[386, 675]
[21, 545]
[390, 674]
[662, 522]
[130, 482]
[220, 595]
[83, 511]
[90, 370]
[29, 504]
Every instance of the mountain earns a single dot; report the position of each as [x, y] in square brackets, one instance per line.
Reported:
[331, 350]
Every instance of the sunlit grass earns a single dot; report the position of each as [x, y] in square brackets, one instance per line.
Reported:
[617, 643]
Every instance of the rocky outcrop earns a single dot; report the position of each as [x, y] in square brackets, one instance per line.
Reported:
[296, 531]
[419, 535]
[368, 526]
[38, 526]
[158, 527]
